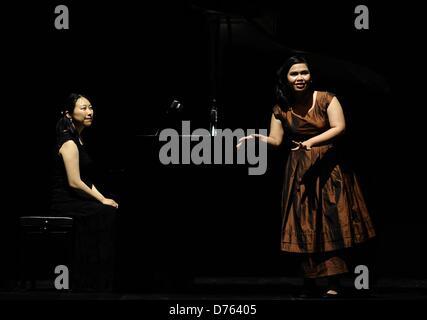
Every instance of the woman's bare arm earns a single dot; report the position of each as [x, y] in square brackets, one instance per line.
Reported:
[275, 137]
[70, 156]
[336, 123]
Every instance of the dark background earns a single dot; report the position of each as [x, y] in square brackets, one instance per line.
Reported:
[132, 61]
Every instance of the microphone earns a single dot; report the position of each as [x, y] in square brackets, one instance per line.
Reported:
[171, 111]
[175, 106]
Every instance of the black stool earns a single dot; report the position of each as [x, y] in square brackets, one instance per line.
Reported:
[45, 242]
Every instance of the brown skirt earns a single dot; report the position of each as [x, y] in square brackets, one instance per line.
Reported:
[323, 208]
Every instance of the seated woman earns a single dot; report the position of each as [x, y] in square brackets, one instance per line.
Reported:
[73, 194]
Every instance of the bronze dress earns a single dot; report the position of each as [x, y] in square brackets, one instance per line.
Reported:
[322, 205]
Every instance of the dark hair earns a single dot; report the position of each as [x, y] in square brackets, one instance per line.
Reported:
[64, 126]
[284, 94]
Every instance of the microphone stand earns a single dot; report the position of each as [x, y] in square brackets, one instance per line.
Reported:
[214, 119]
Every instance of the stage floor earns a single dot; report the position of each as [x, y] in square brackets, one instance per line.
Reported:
[236, 288]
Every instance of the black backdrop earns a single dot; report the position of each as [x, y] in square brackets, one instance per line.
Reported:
[133, 60]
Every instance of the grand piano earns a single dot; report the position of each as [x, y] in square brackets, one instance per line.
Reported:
[180, 221]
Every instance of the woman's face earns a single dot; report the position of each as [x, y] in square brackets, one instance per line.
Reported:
[299, 77]
[83, 113]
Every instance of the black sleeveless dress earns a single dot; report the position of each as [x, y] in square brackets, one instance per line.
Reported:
[94, 225]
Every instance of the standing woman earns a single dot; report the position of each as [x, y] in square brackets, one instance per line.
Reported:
[323, 210]
[74, 194]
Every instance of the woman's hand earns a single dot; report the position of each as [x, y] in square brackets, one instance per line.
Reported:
[110, 202]
[304, 145]
[250, 137]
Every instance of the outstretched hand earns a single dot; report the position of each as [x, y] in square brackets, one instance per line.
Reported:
[251, 137]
